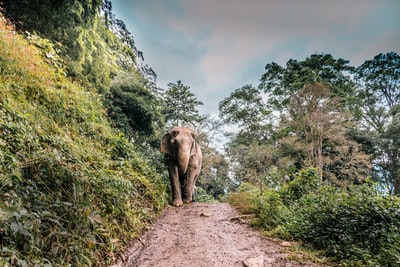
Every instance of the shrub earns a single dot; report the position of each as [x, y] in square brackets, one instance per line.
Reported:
[272, 213]
[266, 205]
[305, 182]
[358, 226]
[202, 196]
[245, 199]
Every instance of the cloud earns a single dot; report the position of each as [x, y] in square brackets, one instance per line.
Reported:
[217, 46]
[235, 33]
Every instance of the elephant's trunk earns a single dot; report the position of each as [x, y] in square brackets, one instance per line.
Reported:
[183, 161]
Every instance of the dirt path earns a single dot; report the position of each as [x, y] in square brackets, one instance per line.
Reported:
[205, 235]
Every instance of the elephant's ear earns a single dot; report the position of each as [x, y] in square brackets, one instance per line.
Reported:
[164, 148]
[174, 132]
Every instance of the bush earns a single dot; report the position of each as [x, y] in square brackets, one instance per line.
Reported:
[246, 198]
[266, 205]
[202, 196]
[272, 213]
[305, 182]
[357, 226]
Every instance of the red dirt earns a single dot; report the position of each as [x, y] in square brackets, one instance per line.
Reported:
[203, 234]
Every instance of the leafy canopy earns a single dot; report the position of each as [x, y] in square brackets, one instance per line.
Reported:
[379, 99]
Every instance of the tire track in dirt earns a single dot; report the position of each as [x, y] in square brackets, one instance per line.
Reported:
[203, 234]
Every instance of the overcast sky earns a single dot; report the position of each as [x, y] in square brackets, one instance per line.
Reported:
[217, 46]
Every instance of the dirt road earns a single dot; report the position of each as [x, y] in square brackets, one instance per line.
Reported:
[202, 234]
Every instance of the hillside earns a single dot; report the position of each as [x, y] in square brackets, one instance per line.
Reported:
[73, 189]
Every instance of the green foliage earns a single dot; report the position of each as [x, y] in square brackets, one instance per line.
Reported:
[134, 111]
[73, 190]
[272, 213]
[98, 52]
[202, 196]
[214, 172]
[305, 182]
[281, 82]
[246, 108]
[245, 199]
[297, 117]
[214, 175]
[253, 160]
[81, 38]
[311, 133]
[311, 150]
[180, 106]
[379, 94]
[357, 227]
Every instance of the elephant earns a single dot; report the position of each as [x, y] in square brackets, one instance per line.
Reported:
[183, 159]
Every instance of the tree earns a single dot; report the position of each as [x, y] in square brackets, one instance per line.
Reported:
[252, 163]
[311, 115]
[180, 106]
[247, 149]
[379, 94]
[214, 178]
[246, 108]
[279, 83]
[133, 109]
[317, 131]
[257, 113]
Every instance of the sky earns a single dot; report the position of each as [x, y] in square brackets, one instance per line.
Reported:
[218, 46]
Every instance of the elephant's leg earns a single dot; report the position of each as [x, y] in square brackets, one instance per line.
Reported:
[188, 193]
[194, 186]
[188, 189]
[175, 185]
[194, 167]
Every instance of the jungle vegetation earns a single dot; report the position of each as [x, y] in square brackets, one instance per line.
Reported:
[315, 157]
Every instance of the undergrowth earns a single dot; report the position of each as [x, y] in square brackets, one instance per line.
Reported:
[73, 190]
[355, 226]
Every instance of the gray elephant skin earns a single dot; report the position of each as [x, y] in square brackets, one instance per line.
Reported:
[183, 158]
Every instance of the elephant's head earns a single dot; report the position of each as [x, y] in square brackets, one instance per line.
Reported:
[180, 145]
